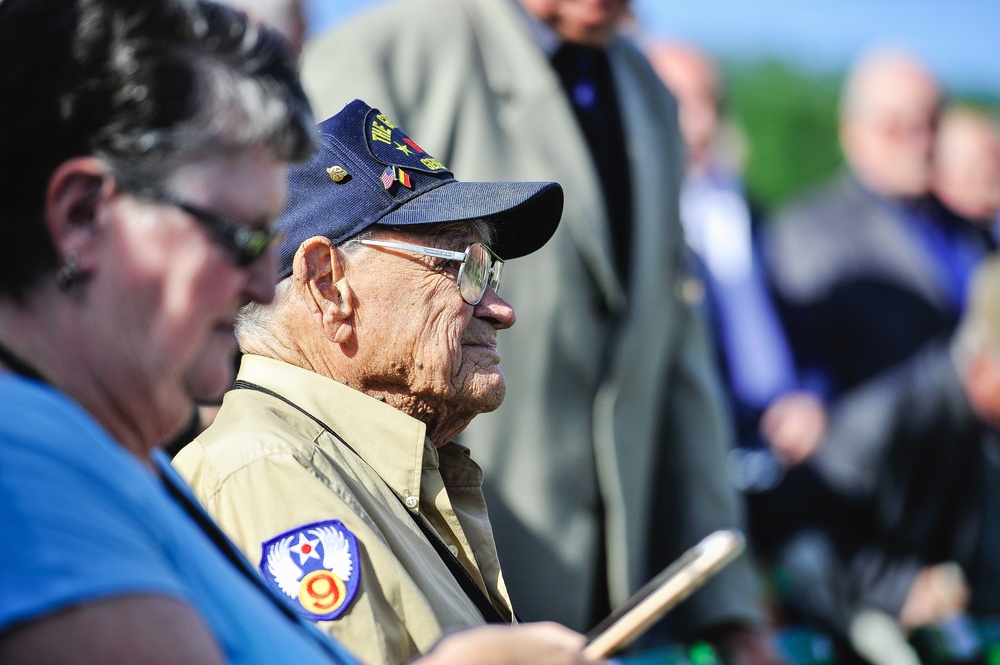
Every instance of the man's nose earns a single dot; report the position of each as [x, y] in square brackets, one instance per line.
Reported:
[496, 309]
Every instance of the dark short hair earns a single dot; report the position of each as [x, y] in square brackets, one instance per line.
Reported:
[147, 85]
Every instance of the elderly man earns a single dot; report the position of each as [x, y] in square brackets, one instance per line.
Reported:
[614, 394]
[332, 462]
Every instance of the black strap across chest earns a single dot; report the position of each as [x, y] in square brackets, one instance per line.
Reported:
[458, 571]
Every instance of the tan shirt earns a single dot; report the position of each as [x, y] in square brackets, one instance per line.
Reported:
[264, 468]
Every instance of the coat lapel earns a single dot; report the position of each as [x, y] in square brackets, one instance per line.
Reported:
[536, 109]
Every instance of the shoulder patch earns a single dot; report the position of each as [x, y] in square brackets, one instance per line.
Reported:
[316, 565]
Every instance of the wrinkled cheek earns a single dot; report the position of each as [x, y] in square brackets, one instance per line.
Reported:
[455, 360]
[451, 352]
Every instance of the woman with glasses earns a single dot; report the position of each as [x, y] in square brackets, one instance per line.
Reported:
[144, 149]
[117, 314]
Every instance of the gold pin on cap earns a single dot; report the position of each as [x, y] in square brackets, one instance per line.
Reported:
[337, 173]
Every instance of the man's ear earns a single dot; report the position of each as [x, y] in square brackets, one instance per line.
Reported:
[77, 189]
[318, 273]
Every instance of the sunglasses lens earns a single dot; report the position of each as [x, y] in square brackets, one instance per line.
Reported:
[251, 244]
[475, 273]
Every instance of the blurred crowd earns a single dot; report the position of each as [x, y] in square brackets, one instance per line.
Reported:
[824, 376]
[854, 342]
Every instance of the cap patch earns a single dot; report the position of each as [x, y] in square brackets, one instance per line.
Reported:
[389, 145]
[366, 172]
[316, 565]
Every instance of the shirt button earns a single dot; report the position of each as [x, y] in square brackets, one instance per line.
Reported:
[453, 550]
[411, 502]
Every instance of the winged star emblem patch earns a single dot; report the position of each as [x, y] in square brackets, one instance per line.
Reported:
[316, 565]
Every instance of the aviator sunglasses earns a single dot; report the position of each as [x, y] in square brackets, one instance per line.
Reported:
[480, 266]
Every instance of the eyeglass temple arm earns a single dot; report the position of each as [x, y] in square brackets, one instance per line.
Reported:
[427, 251]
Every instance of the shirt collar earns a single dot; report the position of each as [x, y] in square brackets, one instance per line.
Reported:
[392, 443]
[541, 34]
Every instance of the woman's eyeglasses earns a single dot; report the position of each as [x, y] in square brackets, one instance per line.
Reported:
[246, 243]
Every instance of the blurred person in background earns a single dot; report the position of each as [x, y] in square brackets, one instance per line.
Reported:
[868, 268]
[606, 460]
[966, 173]
[918, 447]
[721, 228]
[286, 16]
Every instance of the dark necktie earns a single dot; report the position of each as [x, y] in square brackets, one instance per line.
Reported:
[586, 78]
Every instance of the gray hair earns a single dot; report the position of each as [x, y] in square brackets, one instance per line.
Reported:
[483, 231]
[146, 86]
[236, 105]
[256, 322]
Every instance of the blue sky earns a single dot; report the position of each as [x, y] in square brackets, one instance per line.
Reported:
[959, 39]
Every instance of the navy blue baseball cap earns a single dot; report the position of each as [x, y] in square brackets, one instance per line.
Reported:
[367, 172]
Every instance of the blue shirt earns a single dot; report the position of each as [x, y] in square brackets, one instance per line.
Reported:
[81, 519]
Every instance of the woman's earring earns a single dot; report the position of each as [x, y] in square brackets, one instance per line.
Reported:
[68, 274]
